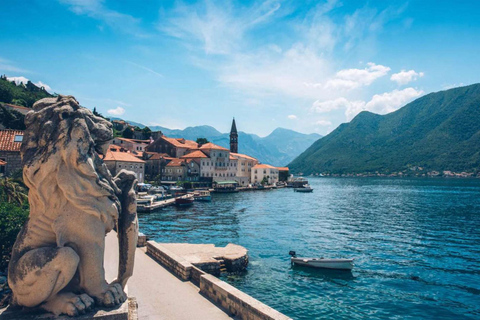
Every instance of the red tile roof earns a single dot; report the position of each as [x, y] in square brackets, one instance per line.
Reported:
[210, 145]
[263, 166]
[7, 140]
[176, 162]
[135, 140]
[282, 168]
[194, 154]
[157, 156]
[242, 156]
[120, 156]
[21, 109]
[181, 143]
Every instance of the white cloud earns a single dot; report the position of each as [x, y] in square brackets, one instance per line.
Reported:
[404, 77]
[384, 103]
[144, 68]
[18, 80]
[24, 80]
[330, 105]
[323, 123]
[292, 117]
[354, 78]
[380, 103]
[118, 111]
[218, 29]
[97, 10]
[41, 84]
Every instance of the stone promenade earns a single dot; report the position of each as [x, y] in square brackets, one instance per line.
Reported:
[160, 295]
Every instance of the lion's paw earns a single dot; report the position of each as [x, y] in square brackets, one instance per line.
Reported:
[113, 296]
[69, 303]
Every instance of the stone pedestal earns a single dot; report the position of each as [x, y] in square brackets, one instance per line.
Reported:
[126, 311]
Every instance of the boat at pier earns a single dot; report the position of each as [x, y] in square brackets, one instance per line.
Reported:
[297, 183]
[184, 199]
[338, 264]
[202, 195]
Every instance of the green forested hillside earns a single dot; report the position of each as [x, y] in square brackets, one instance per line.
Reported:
[439, 131]
[21, 94]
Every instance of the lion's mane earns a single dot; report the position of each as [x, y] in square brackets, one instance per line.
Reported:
[61, 166]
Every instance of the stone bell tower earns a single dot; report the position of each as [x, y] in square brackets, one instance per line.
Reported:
[233, 138]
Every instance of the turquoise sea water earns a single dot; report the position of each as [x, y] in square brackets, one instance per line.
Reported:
[416, 244]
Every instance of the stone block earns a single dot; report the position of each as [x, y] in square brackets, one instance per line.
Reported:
[126, 311]
[142, 240]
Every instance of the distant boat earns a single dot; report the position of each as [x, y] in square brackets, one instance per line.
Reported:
[202, 195]
[338, 264]
[297, 183]
[184, 200]
[305, 188]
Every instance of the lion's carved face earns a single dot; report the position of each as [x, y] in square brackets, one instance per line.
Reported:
[60, 154]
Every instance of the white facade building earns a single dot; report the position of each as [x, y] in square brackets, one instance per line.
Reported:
[261, 171]
[244, 168]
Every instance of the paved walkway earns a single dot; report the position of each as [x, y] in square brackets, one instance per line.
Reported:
[160, 295]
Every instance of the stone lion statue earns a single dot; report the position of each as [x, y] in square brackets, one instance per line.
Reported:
[57, 259]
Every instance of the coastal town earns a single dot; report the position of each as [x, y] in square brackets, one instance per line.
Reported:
[162, 160]
[245, 160]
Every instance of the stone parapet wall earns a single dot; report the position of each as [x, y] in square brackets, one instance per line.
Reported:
[236, 302]
[195, 275]
[230, 299]
[175, 264]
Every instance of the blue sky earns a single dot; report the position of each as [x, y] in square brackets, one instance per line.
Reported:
[303, 65]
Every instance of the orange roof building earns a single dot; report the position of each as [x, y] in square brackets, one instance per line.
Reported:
[118, 158]
[10, 143]
[262, 173]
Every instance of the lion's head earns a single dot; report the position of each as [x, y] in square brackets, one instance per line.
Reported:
[60, 154]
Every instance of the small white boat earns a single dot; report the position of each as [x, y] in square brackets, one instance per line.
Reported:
[202, 195]
[338, 264]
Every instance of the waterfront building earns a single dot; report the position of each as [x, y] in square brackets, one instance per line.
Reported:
[134, 145]
[261, 171]
[155, 164]
[10, 159]
[182, 170]
[233, 138]
[174, 147]
[118, 158]
[244, 168]
[21, 109]
[283, 173]
[220, 165]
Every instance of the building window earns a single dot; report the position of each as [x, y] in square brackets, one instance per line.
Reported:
[18, 138]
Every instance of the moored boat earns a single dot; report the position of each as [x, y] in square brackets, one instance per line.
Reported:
[202, 195]
[338, 264]
[184, 200]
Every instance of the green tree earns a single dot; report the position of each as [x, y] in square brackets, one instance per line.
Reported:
[12, 218]
[202, 141]
[13, 191]
[127, 133]
[147, 133]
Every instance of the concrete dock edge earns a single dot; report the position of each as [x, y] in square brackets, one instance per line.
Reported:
[233, 301]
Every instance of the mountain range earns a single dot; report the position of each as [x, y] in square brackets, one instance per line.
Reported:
[278, 148]
[439, 131]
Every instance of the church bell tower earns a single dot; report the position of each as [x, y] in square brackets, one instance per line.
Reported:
[233, 138]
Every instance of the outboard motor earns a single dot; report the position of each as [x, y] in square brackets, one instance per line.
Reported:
[293, 254]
